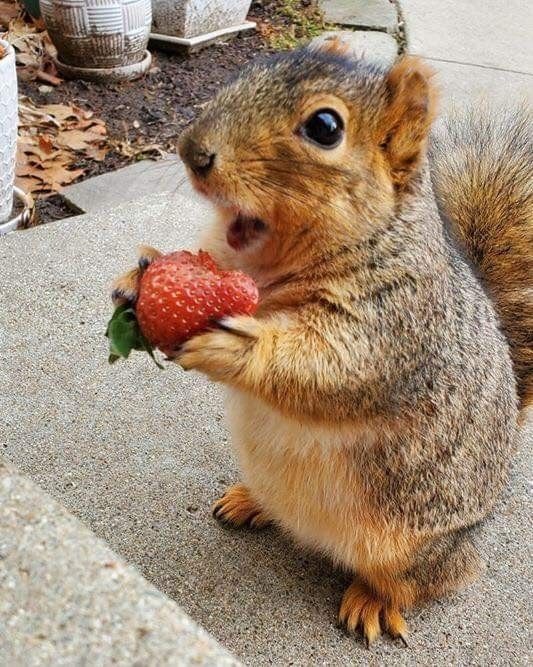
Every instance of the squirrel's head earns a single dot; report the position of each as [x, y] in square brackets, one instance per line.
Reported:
[308, 148]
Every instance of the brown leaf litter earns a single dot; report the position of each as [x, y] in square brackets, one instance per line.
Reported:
[34, 52]
[52, 139]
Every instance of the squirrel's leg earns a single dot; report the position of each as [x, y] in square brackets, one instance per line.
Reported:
[238, 508]
[285, 363]
[442, 566]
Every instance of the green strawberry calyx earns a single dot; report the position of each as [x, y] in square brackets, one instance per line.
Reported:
[125, 335]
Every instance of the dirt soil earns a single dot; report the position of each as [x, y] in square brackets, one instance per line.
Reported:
[154, 110]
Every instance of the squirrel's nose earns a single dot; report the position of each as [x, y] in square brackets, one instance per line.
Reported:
[196, 157]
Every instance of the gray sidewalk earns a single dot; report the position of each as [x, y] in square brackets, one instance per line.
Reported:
[139, 455]
[481, 49]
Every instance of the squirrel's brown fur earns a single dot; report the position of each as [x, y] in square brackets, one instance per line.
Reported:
[372, 400]
[481, 168]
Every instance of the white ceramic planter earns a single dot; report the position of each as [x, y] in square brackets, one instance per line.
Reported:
[99, 39]
[22, 217]
[8, 129]
[193, 22]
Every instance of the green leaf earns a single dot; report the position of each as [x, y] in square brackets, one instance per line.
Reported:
[125, 335]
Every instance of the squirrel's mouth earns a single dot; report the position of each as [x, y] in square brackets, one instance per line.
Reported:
[244, 230]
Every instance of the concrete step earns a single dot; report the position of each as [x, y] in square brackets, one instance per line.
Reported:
[366, 14]
[67, 599]
[146, 178]
[139, 455]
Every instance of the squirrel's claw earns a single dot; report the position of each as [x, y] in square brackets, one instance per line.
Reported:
[237, 508]
[146, 255]
[361, 608]
[221, 355]
[125, 288]
[240, 325]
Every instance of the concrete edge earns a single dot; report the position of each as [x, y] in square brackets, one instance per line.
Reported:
[68, 599]
[145, 178]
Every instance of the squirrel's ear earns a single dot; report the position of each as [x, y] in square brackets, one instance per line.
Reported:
[408, 116]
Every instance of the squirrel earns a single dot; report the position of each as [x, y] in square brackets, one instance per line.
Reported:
[374, 400]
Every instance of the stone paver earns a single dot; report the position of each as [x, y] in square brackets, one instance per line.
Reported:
[481, 50]
[370, 14]
[128, 184]
[67, 599]
[140, 454]
[468, 85]
[489, 33]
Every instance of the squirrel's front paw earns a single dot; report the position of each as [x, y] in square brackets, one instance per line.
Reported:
[125, 288]
[222, 354]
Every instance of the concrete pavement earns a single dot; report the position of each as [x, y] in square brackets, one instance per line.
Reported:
[481, 49]
[139, 455]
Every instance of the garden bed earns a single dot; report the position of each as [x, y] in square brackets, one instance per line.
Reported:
[144, 118]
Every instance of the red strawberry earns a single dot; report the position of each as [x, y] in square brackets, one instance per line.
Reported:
[182, 294]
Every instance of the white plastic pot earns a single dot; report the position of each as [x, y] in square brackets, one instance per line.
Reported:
[99, 39]
[8, 129]
[192, 22]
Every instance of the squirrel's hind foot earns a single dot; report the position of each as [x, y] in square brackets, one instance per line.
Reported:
[362, 608]
[237, 508]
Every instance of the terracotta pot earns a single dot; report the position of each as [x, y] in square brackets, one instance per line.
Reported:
[99, 39]
[8, 128]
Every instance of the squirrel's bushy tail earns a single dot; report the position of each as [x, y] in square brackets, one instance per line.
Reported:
[482, 172]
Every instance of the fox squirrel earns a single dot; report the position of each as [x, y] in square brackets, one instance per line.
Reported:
[373, 401]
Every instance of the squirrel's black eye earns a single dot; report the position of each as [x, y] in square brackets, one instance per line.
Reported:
[325, 128]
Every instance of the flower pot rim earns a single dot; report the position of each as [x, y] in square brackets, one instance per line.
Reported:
[22, 217]
[118, 73]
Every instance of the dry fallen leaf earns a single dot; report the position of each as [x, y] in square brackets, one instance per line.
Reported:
[52, 138]
[52, 79]
[77, 140]
[97, 154]
[25, 59]
[33, 152]
[137, 151]
[46, 143]
[8, 12]
[29, 184]
[34, 51]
